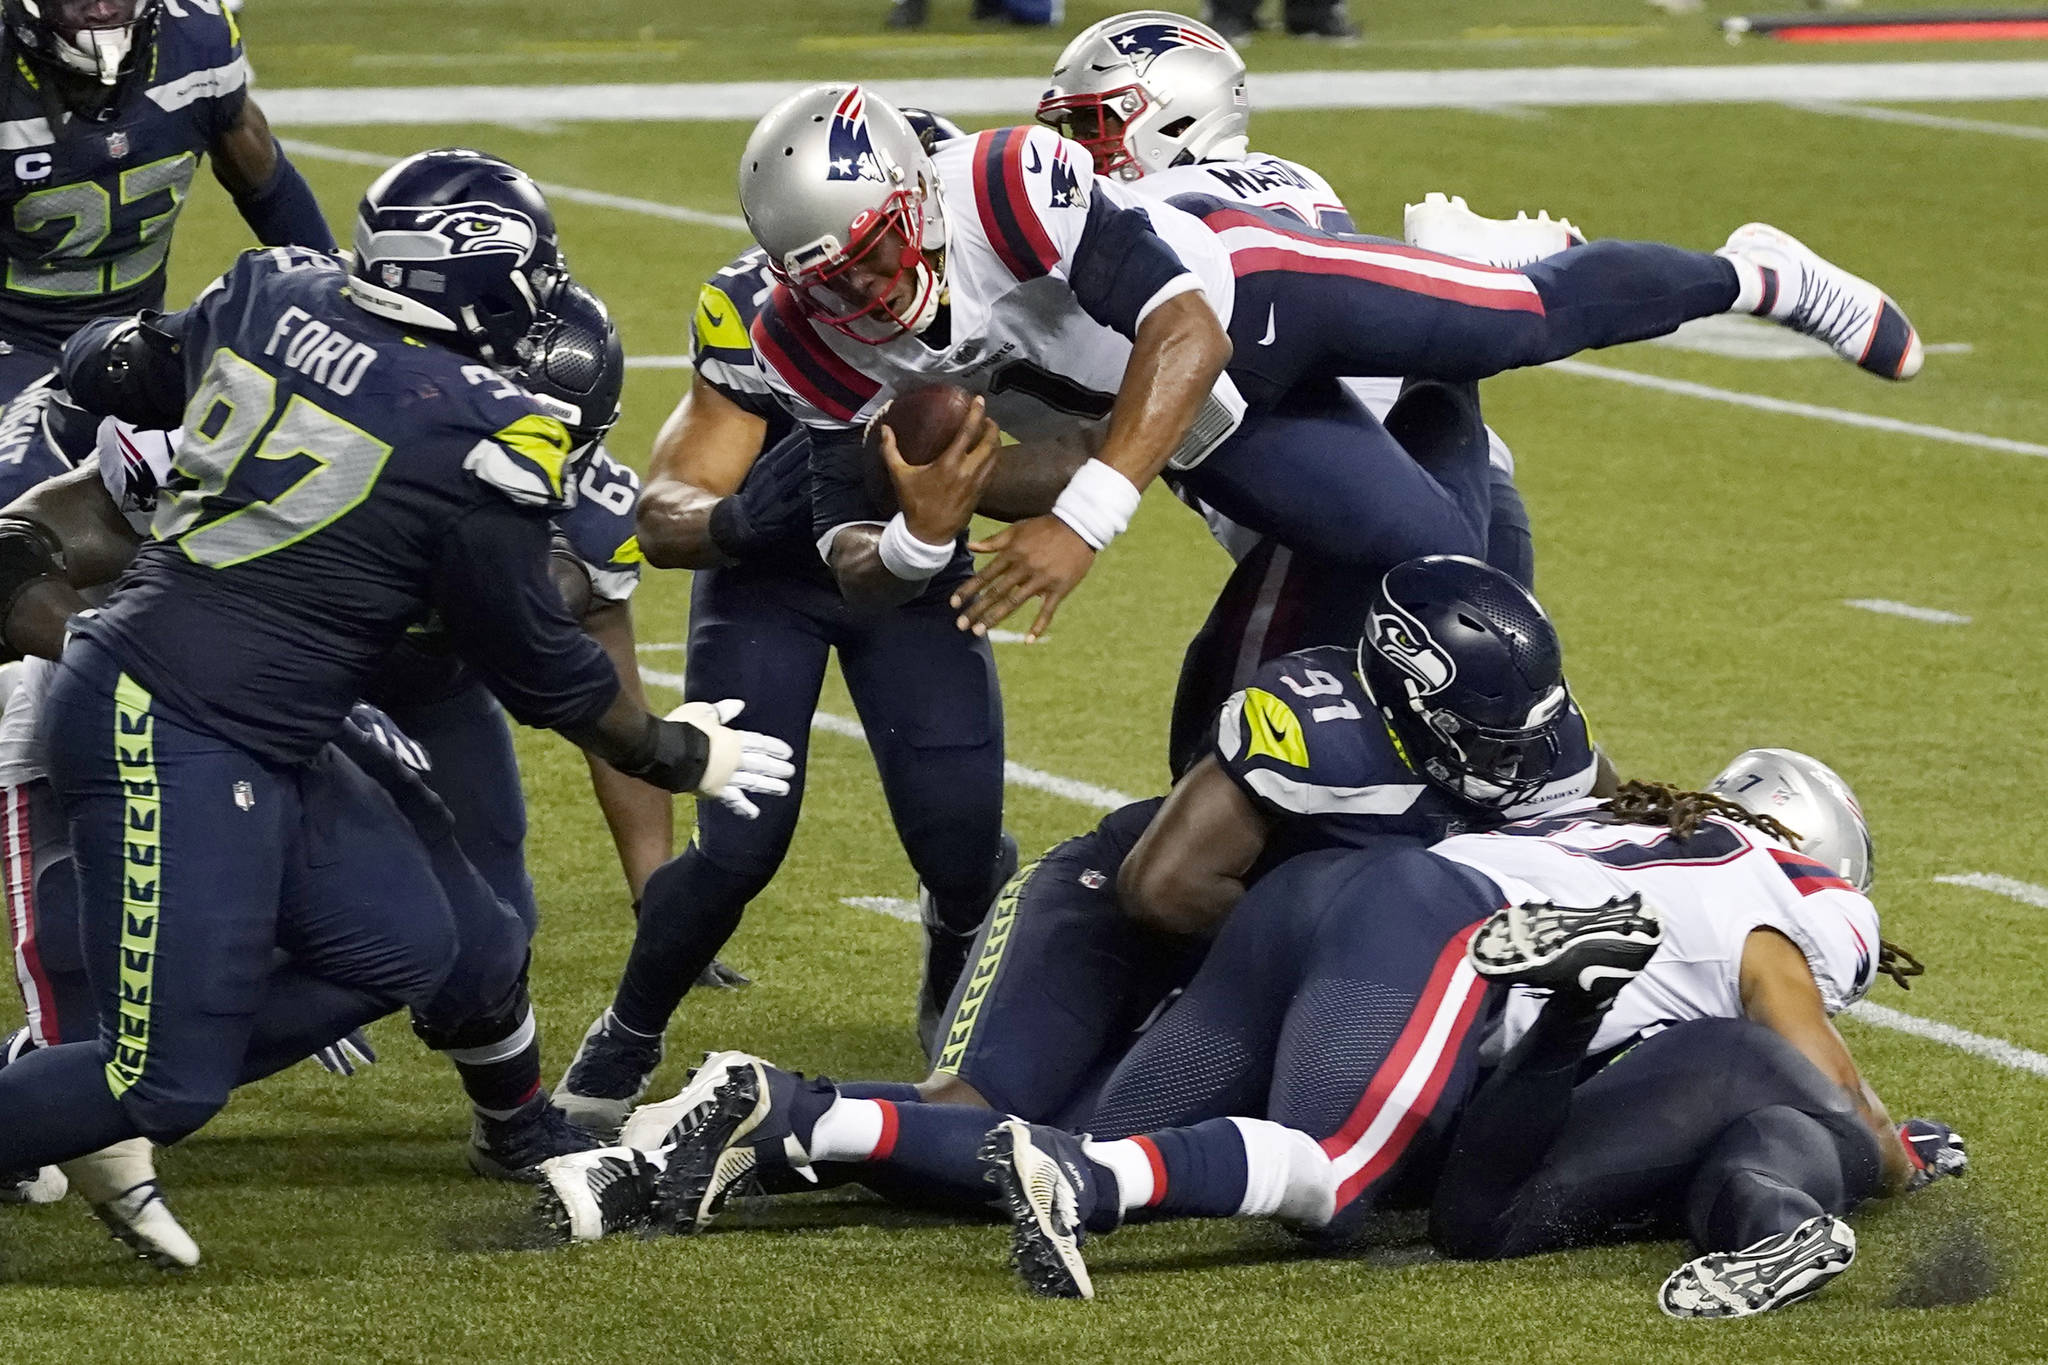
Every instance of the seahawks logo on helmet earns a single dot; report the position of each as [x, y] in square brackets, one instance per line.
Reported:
[1143, 43]
[1403, 642]
[850, 153]
[468, 230]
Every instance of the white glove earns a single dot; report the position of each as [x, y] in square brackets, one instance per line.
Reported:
[347, 1054]
[742, 761]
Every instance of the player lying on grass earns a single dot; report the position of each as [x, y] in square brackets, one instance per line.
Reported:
[1742, 927]
[1094, 937]
[188, 722]
[1209, 340]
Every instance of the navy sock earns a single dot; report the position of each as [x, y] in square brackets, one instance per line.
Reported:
[896, 1092]
[1204, 1169]
[932, 1158]
[58, 1107]
[501, 1077]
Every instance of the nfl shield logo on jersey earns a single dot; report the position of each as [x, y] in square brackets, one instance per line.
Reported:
[117, 145]
[852, 151]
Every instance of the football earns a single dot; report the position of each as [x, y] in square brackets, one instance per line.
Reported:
[925, 420]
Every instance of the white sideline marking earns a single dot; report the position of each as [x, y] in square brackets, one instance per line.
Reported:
[1841, 416]
[895, 907]
[2011, 887]
[1932, 615]
[1976, 1044]
[1015, 773]
[1009, 637]
[573, 194]
[1524, 87]
[657, 362]
[2033, 132]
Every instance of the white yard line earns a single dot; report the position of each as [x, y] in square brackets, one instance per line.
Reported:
[572, 194]
[1915, 118]
[657, 362]
[1104, 798]
[1948, 1035]
[1785, 407]
[2010, 887]
[1525, 87]
[895, 907]
[1934, 616]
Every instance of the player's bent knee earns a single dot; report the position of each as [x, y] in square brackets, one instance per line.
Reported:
[943, 1087]
[165, 1119]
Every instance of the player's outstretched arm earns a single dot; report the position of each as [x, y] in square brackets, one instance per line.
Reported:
[701, 457]
[270, 193]
[641, 817]
[1779, 992]
[1176, 358]
[1030, 476]
[1187, 871]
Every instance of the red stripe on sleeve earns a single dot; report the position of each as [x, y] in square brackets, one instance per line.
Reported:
[1020, 203]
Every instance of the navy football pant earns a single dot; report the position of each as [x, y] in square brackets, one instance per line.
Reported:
[1718, 1127]
[928, 701]
[1279, 600]
[22, 364]
[196, 864]
[1061, 979]
[1335, 1000]
[476, 775]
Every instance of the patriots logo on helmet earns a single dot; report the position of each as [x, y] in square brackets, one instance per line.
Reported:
[1402, 641]
[1143, 43]
[850, 152]
[474, 229]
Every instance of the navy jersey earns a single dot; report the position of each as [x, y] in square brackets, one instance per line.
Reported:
[721, 345]
[87, 206]
[1310, 749]
[338, 479]
[598, 530]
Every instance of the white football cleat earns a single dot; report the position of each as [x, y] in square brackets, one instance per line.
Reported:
[653, 1127]
[1448, 226]
[1768, 1274]
[119, 1182]
[46, 1186]
[587, 1196]
[1817, 298]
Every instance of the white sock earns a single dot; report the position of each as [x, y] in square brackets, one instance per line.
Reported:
[1130, 1163]
[1749, 283]
[1287, 1176]
[849, 1131]
[105, 1175]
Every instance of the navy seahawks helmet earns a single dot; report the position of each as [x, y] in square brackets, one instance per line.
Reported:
[100, 40]
[458, 242]
[1468, 672]
[931, 129]
[576, 365]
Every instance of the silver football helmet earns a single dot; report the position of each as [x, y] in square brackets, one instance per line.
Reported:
[841, 194]
[1810, 799]
[1147, 90]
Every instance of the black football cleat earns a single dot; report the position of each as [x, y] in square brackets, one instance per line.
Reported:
[513, 1148]
[607, 1076]
[1597, 949]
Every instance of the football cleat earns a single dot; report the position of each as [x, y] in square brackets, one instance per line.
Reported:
[1772, 1273]
[655, 1127]
[513, 1148]
[587, 1196]
[1045, 1182]
[609, 1073]
[1449, 227]
[1819, 299]
[753, 1120]
[1597, 950]
[140, 1220]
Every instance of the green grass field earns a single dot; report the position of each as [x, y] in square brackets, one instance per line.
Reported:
[1696, 554]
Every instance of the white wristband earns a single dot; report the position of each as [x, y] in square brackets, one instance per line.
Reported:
[1097, 503]
[909, 558]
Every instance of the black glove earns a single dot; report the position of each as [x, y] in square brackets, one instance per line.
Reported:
[772, 507]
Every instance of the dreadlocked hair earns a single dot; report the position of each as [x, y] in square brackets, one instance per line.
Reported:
[1658, 803]
[1898, 964]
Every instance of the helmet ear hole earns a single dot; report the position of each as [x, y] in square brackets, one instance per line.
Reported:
[1177, 127]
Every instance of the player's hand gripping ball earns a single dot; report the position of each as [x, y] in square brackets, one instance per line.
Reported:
[924, 421]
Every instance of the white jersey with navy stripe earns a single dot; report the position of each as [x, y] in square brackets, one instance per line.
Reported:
[1027, 301]
[1711, 891]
